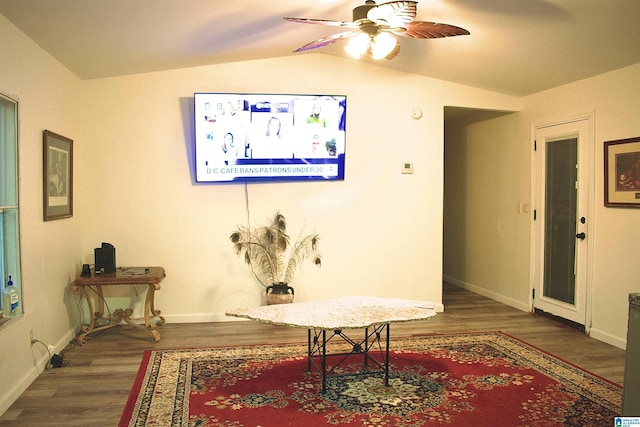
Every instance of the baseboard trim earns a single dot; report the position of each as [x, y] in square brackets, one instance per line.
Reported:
[594, 333]
[608, 338]
[197, 318]
[489, 294]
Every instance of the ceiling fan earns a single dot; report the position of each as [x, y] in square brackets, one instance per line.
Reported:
[374, 26]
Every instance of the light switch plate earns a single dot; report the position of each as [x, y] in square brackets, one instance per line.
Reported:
[407, 167]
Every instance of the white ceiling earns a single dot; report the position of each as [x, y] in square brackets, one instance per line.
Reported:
[516, 47]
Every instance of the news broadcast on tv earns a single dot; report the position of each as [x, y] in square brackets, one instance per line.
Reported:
[269, 137]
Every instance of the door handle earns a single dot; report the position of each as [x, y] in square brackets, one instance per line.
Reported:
[581, 236]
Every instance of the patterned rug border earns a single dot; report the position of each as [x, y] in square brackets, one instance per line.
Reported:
[575, 378]
[575, 366]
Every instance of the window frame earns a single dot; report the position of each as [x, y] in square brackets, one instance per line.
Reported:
[10, 252]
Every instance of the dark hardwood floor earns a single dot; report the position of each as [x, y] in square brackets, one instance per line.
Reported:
[93, 387]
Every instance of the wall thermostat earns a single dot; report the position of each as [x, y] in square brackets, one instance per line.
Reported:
[407, 167]
[416, 113]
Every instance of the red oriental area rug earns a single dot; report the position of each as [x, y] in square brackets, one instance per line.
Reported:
[474, 379]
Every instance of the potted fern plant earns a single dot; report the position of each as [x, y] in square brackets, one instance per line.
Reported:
[271, 256]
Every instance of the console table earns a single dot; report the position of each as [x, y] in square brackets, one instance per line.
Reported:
[149, 276]
[372, 314]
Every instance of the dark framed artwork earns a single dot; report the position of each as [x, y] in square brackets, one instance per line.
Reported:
[58, 176]
[622, 173]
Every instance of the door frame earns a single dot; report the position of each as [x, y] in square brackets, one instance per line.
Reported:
[535, 251]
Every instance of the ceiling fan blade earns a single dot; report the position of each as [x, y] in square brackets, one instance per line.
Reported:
[328, 22]
[395, 14]
[326, 41]
[430, 30]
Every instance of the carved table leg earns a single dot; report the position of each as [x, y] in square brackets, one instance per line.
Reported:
[152, 310]
[149, 314]
[99, 314]
[115, 319]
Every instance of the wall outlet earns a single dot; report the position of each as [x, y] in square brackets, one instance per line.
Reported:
[30, 336]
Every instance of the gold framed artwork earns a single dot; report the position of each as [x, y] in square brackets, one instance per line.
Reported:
[622, 173]
[57, 176]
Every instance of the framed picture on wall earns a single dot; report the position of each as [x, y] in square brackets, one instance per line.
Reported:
[622, 173]
[58, 176]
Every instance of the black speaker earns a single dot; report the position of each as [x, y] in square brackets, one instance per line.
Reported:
[105, 259]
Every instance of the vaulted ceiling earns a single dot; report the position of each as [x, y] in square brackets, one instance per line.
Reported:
[516, 47]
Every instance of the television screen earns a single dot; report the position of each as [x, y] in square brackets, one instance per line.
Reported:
[243, 137]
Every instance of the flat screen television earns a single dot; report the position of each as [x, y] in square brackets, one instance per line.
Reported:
[249, 137]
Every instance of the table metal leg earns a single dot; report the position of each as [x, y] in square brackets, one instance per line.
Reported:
[308, 350]
[366, 347]
[386, 358]
[317, 348]
[324, 360]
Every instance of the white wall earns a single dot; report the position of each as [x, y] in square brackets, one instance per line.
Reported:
[381, 230]
[49, 98]
[486, 237]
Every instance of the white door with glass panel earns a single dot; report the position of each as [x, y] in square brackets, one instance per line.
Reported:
[561, 219]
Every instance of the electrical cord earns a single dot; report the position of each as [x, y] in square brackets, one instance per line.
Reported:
[106, 305]
[246, 203]
[80, 322]
[83, 317]
[49, 365]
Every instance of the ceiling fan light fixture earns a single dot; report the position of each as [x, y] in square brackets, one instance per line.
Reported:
[375, 26]
[382, 45]
[358, 45]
